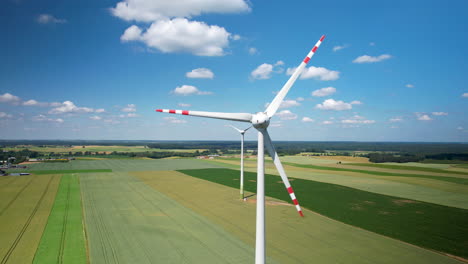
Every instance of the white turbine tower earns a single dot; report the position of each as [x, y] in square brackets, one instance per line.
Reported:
[242, 132]
[260, 121]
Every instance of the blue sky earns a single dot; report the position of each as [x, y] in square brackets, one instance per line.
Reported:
[391, 71]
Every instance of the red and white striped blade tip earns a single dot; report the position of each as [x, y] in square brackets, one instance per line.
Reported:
[322, 38]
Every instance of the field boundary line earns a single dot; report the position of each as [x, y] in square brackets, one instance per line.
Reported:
[26, 225]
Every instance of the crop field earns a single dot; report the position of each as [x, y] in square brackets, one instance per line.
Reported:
[415, 188]
[25, 203]
[122, 165]
[290, 238]
[403, 219]
[129, 222]
[188, 211]
[63, 238]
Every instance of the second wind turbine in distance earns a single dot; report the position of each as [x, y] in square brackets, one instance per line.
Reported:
[242, 132]
[261, 121]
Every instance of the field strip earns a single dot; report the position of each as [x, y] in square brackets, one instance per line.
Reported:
[63, 238]
[290, 239]
[6, 181]
[26, 225]
[157, 229]
[446, 230]
[403, 168]
[426, 190]
[15, 197]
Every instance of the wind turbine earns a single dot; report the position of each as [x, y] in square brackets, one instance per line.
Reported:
[242, 132]
[260, 121]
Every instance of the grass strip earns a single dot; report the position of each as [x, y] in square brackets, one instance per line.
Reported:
[403, 167]
[63, 238]
[41, 172]
[380, 173]
[427, 225]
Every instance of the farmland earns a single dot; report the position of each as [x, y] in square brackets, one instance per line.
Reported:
[187, 211]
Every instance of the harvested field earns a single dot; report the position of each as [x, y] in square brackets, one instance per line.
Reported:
[438, 227]
[25, 205]
[290, 239]
[63, 240]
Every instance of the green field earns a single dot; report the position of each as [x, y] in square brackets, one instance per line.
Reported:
[407, 220]
[63, 239]
[94, 148]
[405, 167]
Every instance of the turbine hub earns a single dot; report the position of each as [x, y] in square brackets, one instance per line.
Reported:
[260, 120]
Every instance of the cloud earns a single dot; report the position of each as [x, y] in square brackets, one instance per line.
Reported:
[460, 128]
[337, 48]
[409, 85]
[95, 117]
[372, 44]
[423, 117]
[326, 122]
[201, 73]
[152, 10]
[111, 121]
[174, 120]
[300, 99]
[43, 118]
[100, 110]
[184, 105]
[5, 115]
[35, 103]
[253, 51]
[128, 115]
[70, 107]
[440, 113]
[331, 104]
[395, 119]
[357, 121]
[129, 108]
[307, 119]
[286, 115]
[49, 19]
[356, 103]
[276, 124]
[189, 90]
[286, 104]
[10, 99]
[180, 35]
[318, 73]
[324, 92]
[235, 37]
[463, 95]
[371, 59]
[262, 72]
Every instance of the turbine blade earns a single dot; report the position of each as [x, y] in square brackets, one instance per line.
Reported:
[238, 130]
[273, 107]
[271, 150]
[247, 129]
[243, 117]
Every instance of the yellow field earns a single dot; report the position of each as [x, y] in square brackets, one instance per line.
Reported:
[25, 204]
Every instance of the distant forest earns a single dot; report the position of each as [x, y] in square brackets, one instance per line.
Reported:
[376, 151]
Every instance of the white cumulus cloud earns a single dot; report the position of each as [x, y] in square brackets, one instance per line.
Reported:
[10, 99]
[371, 59]
[324, 92]
[43, 118]
[95, 117]
[152, 10]
[440, 113]
[357, 121]
[180, 35]
[262, 72]
[286, 115]
[189, 90]
[5, 115]
[327, 122]
[395, 119]
[129, 108]
[184, 105]
[307, 119]
[423, 117]
[465, 95]
[318, 73]
[201, 73]
[70, 107]
[409, 85]
[252, 51]
[331, 104]
[339, 47]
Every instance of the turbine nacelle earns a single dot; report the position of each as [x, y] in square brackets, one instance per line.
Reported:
[260, 120]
